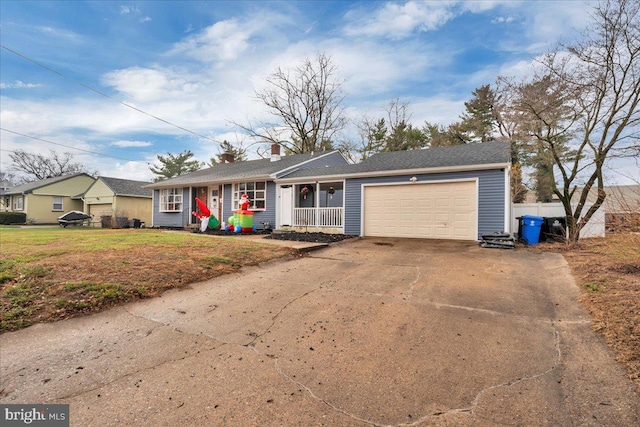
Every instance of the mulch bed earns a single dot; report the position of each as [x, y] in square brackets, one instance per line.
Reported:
[289, 235]
[310, 237]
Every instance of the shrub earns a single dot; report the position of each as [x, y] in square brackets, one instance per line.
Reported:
[13, 218]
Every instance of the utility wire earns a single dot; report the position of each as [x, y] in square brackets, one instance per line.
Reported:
[106, 95]
[66, 146]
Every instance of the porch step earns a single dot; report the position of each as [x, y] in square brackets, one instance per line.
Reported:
[280, 231]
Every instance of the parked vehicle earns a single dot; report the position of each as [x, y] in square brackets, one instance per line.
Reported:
[74, 218]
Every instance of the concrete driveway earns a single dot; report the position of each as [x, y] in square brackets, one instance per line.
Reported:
[367, 332]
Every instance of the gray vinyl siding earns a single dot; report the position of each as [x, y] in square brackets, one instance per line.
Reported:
[332, 159]
[171, 219]
[227, 200]
[491, 197]
[268, 215]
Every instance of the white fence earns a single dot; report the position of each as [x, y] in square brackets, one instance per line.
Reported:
[317, 217]
[594, 228]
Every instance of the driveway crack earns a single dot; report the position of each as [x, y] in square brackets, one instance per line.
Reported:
[476, 400]
[131, 374]
[173, 328]
[319, 399]
[275, 316]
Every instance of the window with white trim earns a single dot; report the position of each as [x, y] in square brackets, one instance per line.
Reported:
[256, 191]
[18, 203]
[171, 200]
[57, 203]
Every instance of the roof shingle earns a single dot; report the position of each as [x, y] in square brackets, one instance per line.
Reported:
[494, 152]
[227, 172]
[127, 187]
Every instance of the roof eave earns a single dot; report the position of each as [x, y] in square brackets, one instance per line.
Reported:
[157, 185]
[418, 171]
[133, 195]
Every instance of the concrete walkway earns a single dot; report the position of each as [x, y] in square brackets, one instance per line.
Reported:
[380, 332]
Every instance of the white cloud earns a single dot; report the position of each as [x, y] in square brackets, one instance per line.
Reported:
[137, 171]
[125, 10]
[145, 19]
[59, 33]
[149, 84]
[125, 143]
[224, 40]
[555, 20]
[397, 21]
[542, 24]
[442, 109]
[18, 85]
[502, 20]
[475, 6]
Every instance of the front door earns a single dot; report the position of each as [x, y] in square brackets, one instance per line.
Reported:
[286, 205]
[215, 203]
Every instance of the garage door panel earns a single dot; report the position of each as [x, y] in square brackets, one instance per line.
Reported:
[430, 210]
[98, 210]
[442, 203]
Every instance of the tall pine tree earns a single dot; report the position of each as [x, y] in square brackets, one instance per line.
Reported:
[175, 165]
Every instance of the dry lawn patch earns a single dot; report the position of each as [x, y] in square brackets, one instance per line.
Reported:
[52, 274]
[608, 272]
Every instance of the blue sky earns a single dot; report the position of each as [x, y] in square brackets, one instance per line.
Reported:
[198, 63]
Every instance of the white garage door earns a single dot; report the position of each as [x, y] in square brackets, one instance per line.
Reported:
[101, 209]
[445, 210]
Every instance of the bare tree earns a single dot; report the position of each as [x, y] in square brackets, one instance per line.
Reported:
[394, 132]
[591, 103]
[511, 127]
[35, 167]
[307, 106]
[8, 179]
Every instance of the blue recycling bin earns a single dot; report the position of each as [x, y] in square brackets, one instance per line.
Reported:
[531, 226]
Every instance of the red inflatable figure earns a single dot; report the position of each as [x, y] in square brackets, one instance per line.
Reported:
[204, 210]
[244, 202]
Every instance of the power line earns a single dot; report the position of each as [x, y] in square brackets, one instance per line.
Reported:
[106, 95]
[66, 146]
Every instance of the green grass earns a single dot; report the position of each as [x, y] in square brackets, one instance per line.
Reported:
[87, 240]
[592, 286]
[102, 292]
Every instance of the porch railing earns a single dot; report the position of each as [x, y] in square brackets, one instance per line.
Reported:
[317, 217]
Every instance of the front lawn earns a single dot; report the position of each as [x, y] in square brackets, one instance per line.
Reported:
[51, 274]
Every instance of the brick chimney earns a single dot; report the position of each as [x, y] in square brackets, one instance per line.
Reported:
[226, 158]
[275, 152]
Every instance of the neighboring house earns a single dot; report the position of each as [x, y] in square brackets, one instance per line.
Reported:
[222, 186]
[457, 192]
[114, 197]
[5, 185]
[45, 200]
[621, 206]
[620, 209]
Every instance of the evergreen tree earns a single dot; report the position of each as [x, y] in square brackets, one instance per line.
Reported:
[175, 165]
[239, 154]
[479, 119]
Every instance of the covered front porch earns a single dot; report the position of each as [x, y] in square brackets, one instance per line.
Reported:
[312, 206]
